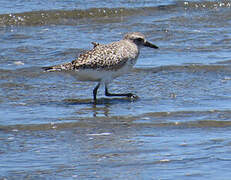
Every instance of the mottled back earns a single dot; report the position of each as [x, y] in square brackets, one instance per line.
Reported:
[108, 57]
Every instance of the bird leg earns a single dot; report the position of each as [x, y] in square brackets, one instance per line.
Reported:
[95, 91]
[130, 95]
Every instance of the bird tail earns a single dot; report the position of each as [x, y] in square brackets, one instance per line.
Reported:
[52, 68]
[47, 69]
[61, 67]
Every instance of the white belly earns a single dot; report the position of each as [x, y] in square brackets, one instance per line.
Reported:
[104, 76]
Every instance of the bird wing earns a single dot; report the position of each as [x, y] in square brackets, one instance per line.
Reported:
[105, 57]
[108, 57]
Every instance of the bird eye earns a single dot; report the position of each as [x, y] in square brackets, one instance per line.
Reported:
[139, 39]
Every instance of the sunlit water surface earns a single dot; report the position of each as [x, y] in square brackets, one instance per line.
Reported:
[179, 128]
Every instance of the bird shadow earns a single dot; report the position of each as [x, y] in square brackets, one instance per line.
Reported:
[101, 101]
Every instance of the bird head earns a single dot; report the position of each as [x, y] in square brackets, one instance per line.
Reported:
[139, 39]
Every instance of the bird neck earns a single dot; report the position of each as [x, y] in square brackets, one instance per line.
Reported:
[132, 44]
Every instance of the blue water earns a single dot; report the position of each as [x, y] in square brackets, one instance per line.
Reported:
[178, 128]
[28, 6]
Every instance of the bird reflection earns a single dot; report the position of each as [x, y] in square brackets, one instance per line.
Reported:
[100, 109]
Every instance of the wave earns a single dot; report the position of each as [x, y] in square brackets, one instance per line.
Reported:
[217, 67]
[178, 119]
[57, 17]
[36, 71]
[72, 17]
[204, 4]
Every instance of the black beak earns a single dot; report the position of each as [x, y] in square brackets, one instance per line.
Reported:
[148, 44]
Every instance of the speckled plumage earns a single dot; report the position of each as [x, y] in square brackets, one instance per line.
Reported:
[107, 57]
[105, 62]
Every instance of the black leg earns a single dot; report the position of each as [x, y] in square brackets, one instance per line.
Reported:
[95, 91]
[130, 95]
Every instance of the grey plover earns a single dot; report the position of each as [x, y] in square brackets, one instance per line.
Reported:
[105, 62]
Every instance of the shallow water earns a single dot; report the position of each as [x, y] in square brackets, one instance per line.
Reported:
[179, 127]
